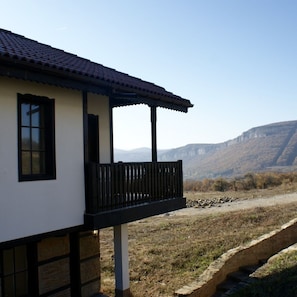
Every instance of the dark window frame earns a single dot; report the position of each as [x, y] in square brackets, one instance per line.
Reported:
[48, 135]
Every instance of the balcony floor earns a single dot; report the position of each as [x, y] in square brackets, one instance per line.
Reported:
[132, 213]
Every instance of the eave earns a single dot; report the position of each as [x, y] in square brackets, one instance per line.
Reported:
[120, 94]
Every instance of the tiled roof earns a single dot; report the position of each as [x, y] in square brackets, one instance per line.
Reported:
[20, 49]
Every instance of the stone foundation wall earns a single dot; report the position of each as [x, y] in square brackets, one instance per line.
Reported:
[262, 248]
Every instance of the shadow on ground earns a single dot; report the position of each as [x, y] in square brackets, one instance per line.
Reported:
[283, 283]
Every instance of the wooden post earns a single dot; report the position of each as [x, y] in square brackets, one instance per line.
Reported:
[85, 127]
[154, 133]
[75, 276]
[121, 258]
[111, 134]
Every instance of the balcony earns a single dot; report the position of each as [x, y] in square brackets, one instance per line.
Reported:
[123, 192]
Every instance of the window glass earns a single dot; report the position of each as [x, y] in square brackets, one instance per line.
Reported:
[26, 163]
[25, 114]
[26, 139]
[21, 283]
[8, 285]
[35, 115]
[37, 139]
[8, 266]
[38, 165]
[20, 258]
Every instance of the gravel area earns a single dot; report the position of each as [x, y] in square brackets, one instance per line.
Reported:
[229, 204]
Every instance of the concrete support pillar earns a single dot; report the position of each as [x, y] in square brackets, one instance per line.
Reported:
[121, 258]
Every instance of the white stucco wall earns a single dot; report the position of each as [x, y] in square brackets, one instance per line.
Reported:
[99, 105]
[29, 208]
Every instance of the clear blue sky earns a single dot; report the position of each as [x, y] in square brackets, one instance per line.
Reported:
[236, 60]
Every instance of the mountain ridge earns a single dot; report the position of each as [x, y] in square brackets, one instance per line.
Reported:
[263, 148]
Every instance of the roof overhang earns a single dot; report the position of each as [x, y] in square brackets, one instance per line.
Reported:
[30, 60]
[120, 95]
[126, 99]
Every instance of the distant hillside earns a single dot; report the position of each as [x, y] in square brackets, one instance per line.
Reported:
[269, 147]
[137, 155]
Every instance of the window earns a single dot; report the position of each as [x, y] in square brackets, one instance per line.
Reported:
[36, 138]
[14, 272]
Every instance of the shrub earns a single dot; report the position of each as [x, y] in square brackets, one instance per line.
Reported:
[220, 185]
[248, 182]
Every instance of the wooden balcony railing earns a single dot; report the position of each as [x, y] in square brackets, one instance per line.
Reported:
[120, 185]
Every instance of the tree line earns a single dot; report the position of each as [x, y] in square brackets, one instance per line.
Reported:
[247, 182]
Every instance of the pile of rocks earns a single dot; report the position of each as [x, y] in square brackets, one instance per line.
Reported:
[207, 203]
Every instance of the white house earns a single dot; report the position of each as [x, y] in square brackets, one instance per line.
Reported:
[58, 181]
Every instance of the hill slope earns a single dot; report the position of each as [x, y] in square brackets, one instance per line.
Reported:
[269, 147]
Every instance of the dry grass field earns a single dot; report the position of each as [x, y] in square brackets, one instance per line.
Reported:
[169, 251]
